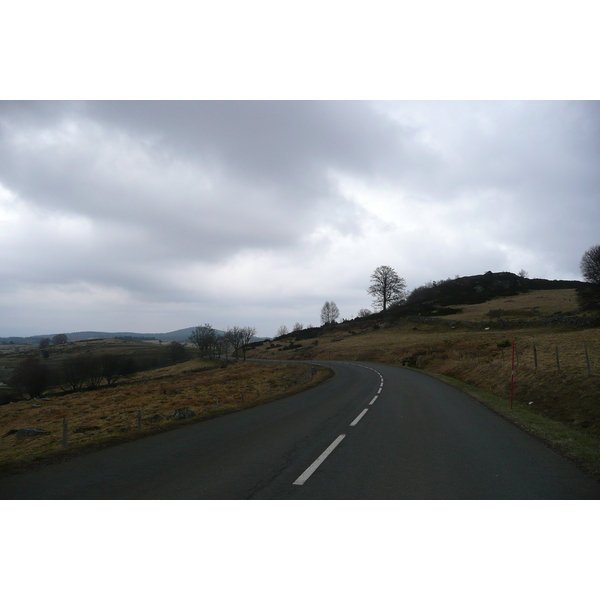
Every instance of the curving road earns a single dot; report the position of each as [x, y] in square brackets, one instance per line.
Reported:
[370, 432]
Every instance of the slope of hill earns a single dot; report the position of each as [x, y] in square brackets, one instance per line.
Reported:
[476, 289]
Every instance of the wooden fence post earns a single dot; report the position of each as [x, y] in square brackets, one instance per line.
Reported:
[587, 359]
[65, 433]
[557, 359]
[139, 420]
[535, 356]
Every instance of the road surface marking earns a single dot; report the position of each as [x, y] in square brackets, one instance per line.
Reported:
[373, 401]
[362, 414]
[379, 390]
[302, 479]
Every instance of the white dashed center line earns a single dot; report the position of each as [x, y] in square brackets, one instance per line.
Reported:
[362, 414]
[317, 463]
[304, 477]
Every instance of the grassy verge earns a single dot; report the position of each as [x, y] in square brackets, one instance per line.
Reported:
[106, 417]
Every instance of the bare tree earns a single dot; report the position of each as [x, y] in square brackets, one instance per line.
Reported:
[81, 369]
[386, 287]
[204, 337]
[298, 327]
[364, 312]
[247, 334]
[329, 313]
[589, 297]
[523, 274]
[234, 335]
[590, 265]
[113, 367]
[223, 345]
[283, 330]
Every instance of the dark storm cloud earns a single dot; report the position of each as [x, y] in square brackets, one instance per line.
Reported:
[215, 176]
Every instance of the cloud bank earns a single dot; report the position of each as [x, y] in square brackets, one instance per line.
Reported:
[151, 216]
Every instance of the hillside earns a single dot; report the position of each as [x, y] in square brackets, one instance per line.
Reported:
[479, 288]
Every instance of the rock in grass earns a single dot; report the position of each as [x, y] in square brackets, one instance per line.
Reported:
[183, 413]
[85, 428]
[30, 432]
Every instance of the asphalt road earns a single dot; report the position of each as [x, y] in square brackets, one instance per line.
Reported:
[370, 432]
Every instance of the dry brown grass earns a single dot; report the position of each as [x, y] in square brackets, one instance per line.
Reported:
[157, 394]
[539, 303]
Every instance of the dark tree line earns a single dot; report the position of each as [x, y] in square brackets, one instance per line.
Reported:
[57, 340]
[32, 377]
[83, 371]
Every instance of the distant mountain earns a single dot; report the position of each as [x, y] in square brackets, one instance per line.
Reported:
[180, 335]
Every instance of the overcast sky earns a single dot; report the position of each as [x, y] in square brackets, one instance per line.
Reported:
[153, 216]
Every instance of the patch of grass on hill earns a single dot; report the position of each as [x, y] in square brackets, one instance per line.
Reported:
[526, 305]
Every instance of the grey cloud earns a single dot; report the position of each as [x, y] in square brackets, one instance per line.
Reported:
[185, 167]
[127, 194]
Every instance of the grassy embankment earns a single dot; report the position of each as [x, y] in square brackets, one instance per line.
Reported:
[561, 406]
[106, 416]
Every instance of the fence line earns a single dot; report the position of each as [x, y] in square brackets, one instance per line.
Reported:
[554, 357]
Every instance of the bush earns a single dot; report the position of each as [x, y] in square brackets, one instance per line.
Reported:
[31, 377]
[177, 352]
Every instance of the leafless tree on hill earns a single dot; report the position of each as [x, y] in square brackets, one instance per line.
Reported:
[589, 298]
[590, 265]
[386, 287]
[329, 313]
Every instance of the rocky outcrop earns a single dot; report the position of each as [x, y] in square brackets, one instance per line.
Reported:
[28, 432]
[183, 413]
